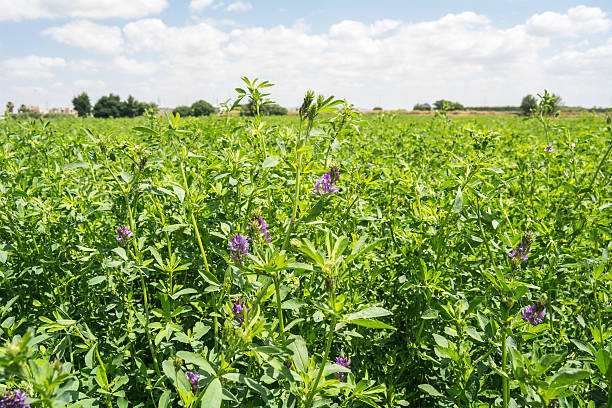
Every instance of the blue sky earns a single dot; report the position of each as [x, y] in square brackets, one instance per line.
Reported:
[388, 53]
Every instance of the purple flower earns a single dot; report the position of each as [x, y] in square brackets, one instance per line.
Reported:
[549, 149]
[523, 247]
[533, 314]
[258, 223]
[325, 183]
[123, 234]
[141, 164]
[14, 399]
[239, 247]
[344, 362]
[193, 378]
[238, 310]
[553, 403]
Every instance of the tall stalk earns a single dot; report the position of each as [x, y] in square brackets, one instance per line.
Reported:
[142, 281]
[328, 343]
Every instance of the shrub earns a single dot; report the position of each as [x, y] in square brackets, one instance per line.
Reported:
[202, 108]
[528, 104]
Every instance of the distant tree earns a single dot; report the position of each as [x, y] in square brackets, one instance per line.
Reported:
[129, 107]
[377, 108]
[10, 106]
[529, 104]
[443, 104]
[202, 108]
[422, 107]
[182, 110]
[22, 109]
[107, 106]
[142, 107]
[82, 105]
[267, 109]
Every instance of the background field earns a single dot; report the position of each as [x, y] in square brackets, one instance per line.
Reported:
[429, 207]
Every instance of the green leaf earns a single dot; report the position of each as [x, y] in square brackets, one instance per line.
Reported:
[300, 353]
[604, 362]
[121, 252]
[271, 161]
[368, 313]
[180, 193]
[213, 396]
[165, 400]
[197, 360]
[249, 382]
[567, 376]
[96, 280]
[458, 203]
[371, 323]
[144, 129]
[430, 390]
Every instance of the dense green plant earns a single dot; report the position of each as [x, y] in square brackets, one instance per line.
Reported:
[323, 259]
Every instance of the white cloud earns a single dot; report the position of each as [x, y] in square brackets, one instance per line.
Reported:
[134, 67]
[154, 34]
[199, 5]
[239, 6]
[90, 84]
[33, 66]
[393, 63]
[18, 10]
[88, 35]
[577, 21]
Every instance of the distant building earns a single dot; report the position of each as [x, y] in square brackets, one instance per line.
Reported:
[164, 110]
[33, 108]
[65, 111]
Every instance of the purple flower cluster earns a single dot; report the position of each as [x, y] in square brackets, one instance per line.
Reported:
[553, 403]
[238, 310]
[549, 149]
[14, 399]
[533, 314]
[523, 247]
[344, 362]
[193, 379]
[239, 247]
[258, 223]
[123, 234]
[141, 164]
[325, 183]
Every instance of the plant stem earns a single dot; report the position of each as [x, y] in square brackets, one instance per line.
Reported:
[330, 336]
[505, 387]
[279, 309]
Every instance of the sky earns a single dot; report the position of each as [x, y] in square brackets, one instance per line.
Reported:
[385, 53]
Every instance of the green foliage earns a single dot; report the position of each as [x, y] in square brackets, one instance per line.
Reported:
[422, 107]
[107, 107]
[182, 110]
[268, 109]
[529, 105]
[202, 108]
[111, 106]
[444, 105]
[82, 105]
[404, 270]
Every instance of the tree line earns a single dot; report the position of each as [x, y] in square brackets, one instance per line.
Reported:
[111, 106]
[529, 105]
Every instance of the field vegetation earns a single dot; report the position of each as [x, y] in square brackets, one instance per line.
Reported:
[327, 259]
